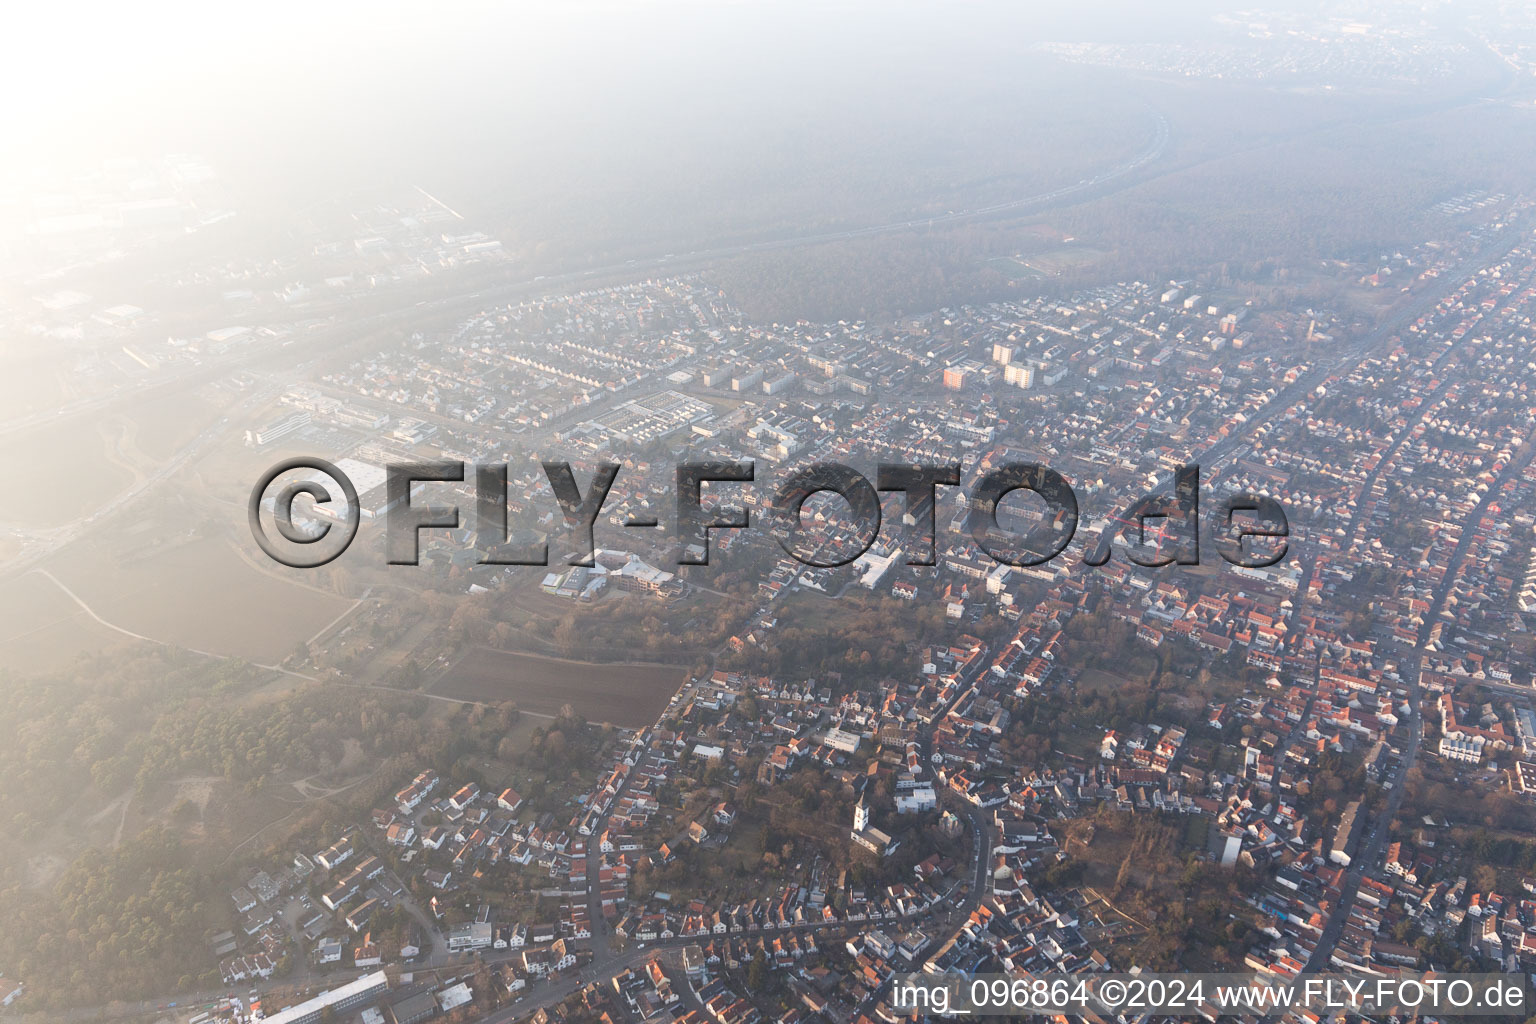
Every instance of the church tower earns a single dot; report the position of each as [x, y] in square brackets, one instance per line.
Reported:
[860, 815]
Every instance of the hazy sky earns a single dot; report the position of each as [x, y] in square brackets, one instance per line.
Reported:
[85, 75]
[584, 121]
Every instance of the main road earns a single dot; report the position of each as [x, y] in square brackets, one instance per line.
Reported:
[1370, 849]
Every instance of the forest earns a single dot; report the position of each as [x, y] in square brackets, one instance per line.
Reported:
[132, 721]
[119, 924]
[1260, 198]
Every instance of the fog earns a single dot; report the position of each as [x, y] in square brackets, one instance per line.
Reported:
[523, 105]
[1286, 245]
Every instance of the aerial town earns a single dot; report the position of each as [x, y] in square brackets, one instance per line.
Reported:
[1343, 743]
[568, 762]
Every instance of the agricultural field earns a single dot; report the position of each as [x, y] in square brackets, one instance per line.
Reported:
[626, 695]
[1052, 262]
[196, 591]
[45, 630]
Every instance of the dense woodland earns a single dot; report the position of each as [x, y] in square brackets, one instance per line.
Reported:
[69, 731]
[119, 924]
[130, 722]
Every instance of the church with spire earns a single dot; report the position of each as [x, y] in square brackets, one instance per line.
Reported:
[866, 835]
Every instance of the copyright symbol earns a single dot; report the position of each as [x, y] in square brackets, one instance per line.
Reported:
[1112, 993]
[304, 554]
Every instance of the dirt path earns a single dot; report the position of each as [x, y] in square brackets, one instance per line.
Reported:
[101, 621]
[226, 657]
[1101, 898]
[354, 606]
[122, 823]
[120, 805]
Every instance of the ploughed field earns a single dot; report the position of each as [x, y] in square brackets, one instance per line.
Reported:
[626, 695]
